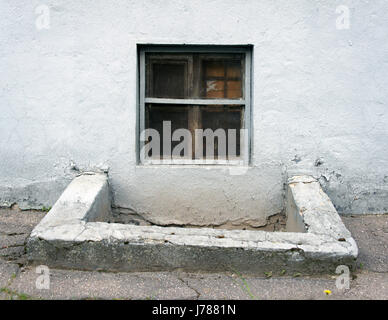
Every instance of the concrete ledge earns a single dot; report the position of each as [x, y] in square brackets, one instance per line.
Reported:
[85, 199]
[309, 209]
[71, 236]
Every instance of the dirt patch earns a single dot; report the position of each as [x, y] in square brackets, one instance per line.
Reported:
[275, 223]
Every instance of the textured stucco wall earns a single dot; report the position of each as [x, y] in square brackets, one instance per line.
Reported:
[68, 103]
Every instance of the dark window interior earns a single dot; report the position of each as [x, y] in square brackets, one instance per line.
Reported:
[177, 114]
[222, 117]
[168, 80]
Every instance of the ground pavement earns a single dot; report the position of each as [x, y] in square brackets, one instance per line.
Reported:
[18, 279]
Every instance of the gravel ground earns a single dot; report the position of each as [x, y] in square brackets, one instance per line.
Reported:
[18, 280]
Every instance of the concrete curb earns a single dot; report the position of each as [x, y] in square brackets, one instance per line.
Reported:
[73, 236]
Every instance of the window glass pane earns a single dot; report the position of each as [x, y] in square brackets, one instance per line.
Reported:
[194, 76]
[233, 89]
[176, 114]
[168, 80]
[234, 70]
[214, 69]
[227, 118]
[221, 78]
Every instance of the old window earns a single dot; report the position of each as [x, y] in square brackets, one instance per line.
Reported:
[194, 105]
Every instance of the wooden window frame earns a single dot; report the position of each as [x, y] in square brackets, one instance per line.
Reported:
[245, 101]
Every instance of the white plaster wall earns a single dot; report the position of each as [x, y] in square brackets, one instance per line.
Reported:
[68, 101]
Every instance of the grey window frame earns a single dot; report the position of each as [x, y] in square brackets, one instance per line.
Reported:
[245, 155]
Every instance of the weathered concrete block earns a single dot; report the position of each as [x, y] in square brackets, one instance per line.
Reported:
[309, 209]
[72, 236]
[85, 199]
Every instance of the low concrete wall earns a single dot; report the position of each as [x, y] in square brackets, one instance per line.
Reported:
[309, 209]
[69, 237]
[85, 199]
